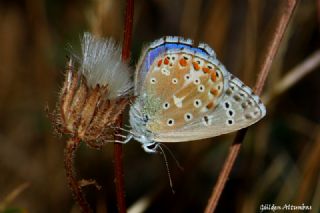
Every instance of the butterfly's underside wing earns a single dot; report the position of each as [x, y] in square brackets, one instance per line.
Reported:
[187, 94]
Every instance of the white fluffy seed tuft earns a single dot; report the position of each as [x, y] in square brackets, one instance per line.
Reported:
[101, 64]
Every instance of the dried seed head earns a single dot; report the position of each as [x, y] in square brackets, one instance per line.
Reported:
[93, 97]
[101, 65]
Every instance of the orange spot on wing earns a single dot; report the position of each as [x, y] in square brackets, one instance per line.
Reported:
[210, 105]
[214, 92]
[183, 62]
[159, 62]
[205, 69]
[213, 75]
[195, 65]
[166, 61]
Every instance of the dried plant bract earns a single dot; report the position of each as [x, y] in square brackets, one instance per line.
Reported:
[95, 92]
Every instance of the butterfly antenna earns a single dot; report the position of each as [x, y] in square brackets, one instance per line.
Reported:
[172, 155]
[168, 170]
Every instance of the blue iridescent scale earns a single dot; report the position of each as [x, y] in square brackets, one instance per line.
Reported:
[163, 48]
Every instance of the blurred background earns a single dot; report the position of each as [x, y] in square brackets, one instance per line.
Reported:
[279, 160]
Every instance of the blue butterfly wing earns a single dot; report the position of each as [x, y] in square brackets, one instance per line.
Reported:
[164, 45]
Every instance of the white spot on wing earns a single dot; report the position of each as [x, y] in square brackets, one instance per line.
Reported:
[187, 77]
[165, 71]
[153, 80]
[165, 105]
[170, 122]
[188, 116]
[196, 81]
[174, 81]
[201, 88]
[197, 103]
[178, 101]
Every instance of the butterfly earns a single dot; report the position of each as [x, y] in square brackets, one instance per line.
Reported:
[183, 93]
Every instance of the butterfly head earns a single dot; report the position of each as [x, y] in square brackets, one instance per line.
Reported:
[139, 120]
[149, 146]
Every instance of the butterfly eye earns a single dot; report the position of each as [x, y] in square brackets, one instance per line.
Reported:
[166, 105]
[170, 122]
[188, 116]
[197, 103]
[145, 118]
[152, 147]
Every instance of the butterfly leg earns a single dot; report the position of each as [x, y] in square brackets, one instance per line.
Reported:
[93, 144]
[127, 139]
[98, 144]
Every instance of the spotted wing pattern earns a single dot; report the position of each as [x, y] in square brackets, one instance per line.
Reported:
[237, 109]
[187, 94]
[182, 87]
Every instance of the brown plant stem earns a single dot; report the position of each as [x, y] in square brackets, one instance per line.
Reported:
[264, 71]
[118, 161]
[127, 33]
[69, 152]
[8, 199]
